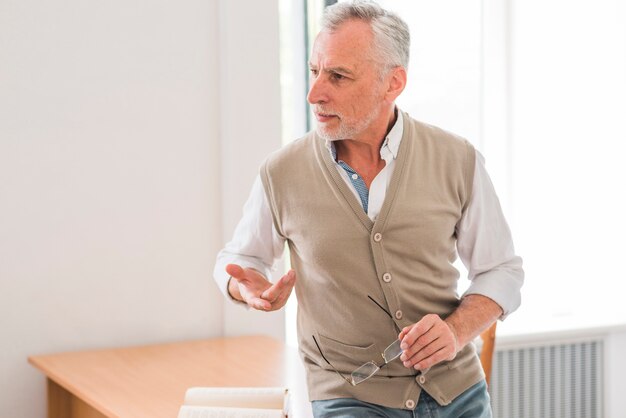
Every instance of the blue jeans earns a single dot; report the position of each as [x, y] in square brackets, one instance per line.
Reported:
[473, 403]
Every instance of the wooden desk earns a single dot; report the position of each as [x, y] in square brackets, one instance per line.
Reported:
[150, 381]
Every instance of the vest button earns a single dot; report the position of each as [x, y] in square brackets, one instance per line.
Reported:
[421, 379]
[378, 237]
[410, 404]
[398, 314]
[386, 277]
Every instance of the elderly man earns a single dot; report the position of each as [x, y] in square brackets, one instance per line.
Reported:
[374, 207]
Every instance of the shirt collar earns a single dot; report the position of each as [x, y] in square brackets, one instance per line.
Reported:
[391, 144]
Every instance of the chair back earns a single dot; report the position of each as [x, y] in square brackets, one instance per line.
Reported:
[486, 353]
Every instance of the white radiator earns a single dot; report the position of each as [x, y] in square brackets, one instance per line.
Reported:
[549, 381]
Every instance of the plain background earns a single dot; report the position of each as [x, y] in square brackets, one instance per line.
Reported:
[130, 133]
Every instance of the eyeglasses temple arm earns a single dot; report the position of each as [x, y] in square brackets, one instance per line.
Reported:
[320, 350]
[380, 306]
[385, 311]
[330, 364]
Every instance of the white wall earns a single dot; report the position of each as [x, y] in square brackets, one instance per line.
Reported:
[250, 126]
[615, 370]
[110, 215]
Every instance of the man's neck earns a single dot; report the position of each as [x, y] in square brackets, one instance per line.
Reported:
[366, 149]
[363, 155]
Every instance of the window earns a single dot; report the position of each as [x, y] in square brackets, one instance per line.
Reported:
[568, 98]
[540, 89]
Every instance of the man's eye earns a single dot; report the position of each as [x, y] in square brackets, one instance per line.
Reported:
[337, 77]
[313, 72]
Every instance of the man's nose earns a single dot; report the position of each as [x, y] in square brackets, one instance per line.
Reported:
[317, 91]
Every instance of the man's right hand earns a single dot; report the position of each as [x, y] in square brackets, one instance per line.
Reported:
[251, 287]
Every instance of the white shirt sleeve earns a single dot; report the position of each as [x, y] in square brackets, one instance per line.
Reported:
[255, 244]
[484, 243]
[485, 246]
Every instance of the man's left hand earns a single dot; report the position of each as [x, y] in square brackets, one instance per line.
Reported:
[428, 342]
[433, 340]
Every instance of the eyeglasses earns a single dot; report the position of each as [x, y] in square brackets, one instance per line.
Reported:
[369, 369]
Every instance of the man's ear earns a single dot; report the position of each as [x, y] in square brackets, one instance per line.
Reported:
[396, 83]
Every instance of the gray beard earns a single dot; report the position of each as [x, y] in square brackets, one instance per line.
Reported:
[345, 131]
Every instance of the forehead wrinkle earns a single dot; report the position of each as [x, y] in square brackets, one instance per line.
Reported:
[342, 70]
[332, 65]
[330, 56]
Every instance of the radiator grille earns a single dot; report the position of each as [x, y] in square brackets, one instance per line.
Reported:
[551, 381]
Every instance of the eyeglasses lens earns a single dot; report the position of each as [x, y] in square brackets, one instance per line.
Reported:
[392, 352]
[364, 372]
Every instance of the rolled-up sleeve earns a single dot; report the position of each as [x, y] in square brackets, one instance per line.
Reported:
[485, 246]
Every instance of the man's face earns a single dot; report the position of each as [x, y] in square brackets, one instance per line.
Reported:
[347, 95]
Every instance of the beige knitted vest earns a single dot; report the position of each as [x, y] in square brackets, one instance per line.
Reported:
[403, 261]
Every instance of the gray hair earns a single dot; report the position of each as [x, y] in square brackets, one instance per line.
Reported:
[391, 34]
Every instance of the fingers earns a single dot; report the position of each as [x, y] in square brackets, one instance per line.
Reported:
[246, 275]
[257, 291]
[235, 271]
[409, 335]
[282, 286]
[250, 284]
[426, 343]
[279, 292]
[260, 304]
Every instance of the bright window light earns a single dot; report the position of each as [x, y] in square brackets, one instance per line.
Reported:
[540, 89]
